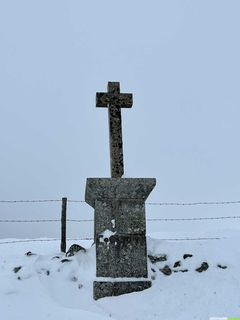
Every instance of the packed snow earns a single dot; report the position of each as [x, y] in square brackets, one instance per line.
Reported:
[48, 285]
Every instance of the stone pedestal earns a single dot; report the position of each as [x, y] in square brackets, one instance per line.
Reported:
[119, 233]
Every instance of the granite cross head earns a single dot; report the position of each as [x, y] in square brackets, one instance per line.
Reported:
[114, 101]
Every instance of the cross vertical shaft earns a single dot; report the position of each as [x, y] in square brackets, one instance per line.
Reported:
[115, 142]
[114, 101]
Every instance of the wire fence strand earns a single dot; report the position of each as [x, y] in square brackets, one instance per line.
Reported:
[149, 219]
[79, 239]
[147, 203]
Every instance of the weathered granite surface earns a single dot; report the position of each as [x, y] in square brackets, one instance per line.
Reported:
[114, 101]
[122, 256]
[120, 231]
[103, 289]
[118, 189]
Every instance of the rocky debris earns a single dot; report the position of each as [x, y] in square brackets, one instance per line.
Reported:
[183, 270]
[74, 249]
[187, 255]
[80, 286]
[153, 277]
[204, 267]
[155, 259]
[47, 272]
[74, 279]
[177, 264]
[153, 270]
[221, 267]
[55, 257]
[65, 260]
[16, 269]
[29, 253]
[166, 270]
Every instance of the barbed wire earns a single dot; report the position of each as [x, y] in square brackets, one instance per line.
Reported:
[193, 219]
[36, 220]
[192, 203]
[41, 240]
[149, 219]
[30, 201]
[79, 239]
[147, 203]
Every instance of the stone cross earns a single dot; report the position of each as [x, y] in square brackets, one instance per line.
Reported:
[114, 101]
[119, 213]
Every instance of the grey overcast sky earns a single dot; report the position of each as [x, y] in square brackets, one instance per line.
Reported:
[181, 61]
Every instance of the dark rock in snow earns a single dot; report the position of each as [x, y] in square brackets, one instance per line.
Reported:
[154, 259]
[204, 267]
[74, 279]
[183, 270]
[177, 264]
[29, 253]
[56, 257]
[166, 270]
[153, 270]
[74, 249]
[187, 255]
[221, 267]
[65, 260]
[16, 269]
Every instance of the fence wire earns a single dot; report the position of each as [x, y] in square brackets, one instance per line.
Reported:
[149, 219]
[147, 203]
[79, 239]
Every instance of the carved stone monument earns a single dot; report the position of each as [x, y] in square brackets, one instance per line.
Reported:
[119, 212]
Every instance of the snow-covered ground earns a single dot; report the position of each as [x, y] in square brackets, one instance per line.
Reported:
[45, 287]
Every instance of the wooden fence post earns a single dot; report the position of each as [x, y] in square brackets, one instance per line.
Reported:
[63, 224]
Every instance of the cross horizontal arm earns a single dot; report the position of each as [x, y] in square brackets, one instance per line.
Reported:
[121, 100]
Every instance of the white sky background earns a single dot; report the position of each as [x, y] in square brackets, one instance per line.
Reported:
[180, 59]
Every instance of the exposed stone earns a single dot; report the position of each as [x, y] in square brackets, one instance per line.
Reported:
[221, 267]
[183, 270]
[65, 260]
[114, 101]
[74, 249]
[16, 269]
[155, 259]
[29, 253]
[120, 227]
[204, 267]
[74, 279]
[166, 270]
[119, 211]
[106, 289]
[177, 264]
[187, 255]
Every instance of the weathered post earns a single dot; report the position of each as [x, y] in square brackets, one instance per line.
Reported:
[63, 224]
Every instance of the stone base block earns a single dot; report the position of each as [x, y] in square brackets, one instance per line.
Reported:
[103, 289]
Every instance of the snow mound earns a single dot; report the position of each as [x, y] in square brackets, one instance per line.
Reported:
[49, 285]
